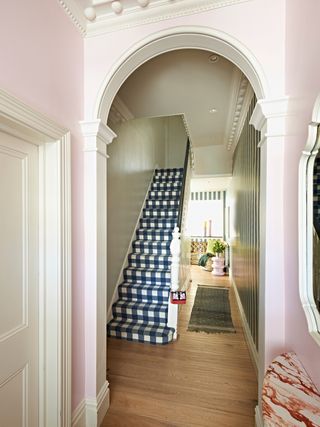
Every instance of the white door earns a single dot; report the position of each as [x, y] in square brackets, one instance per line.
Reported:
[19, 278]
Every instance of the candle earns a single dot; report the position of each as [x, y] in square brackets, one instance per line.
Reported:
[210, 224]
[205, 228]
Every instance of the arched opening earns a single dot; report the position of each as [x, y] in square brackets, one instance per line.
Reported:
[174, 39]
[104, 107]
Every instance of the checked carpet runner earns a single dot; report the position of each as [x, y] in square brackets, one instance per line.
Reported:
[141, 312]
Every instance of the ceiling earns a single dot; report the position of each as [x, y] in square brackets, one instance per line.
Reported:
[209, 92]
[94, 17]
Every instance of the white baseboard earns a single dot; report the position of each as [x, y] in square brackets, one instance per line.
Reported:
[247, 333]
[90, 412]
[79, 415]
[258, 417]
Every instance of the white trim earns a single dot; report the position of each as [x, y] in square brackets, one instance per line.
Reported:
[135, 15]
[75, 14]
[195, 37]
[115, 295]
[90, 412]
[306, 167]
[258, 417]
[109, 23]
[96, 409]
[19, 119]
[242, 94]
[96, 138]
[79, 415]
[119, 112]
[251, 346]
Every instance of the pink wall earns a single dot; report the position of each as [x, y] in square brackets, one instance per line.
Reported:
[302, 80]
[42, 65]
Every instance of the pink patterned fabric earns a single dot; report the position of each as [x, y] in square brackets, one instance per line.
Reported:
[289, 397]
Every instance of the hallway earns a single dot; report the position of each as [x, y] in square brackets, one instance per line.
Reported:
[204, 380]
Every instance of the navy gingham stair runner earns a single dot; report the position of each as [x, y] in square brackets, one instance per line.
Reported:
[141, 312]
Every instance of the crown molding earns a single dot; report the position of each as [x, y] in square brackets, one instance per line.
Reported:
[76, 15]
[242, 93]
[119, 112]
[135, 16]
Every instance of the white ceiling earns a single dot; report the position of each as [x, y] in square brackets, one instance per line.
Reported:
[186, 82]
[210, 184]
[94, 17]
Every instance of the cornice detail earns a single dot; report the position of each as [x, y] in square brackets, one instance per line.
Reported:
[135, 16]
[119, 112]
[242, 95]
[74, 12]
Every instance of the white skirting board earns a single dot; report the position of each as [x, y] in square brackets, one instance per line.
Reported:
[90, 412]
[258, 417]
[252, 348]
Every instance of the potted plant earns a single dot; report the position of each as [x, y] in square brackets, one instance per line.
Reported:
[219, 247]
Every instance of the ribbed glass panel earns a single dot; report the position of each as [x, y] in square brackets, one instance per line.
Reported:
[245, 244]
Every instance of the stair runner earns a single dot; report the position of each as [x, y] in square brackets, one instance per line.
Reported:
[141, 312]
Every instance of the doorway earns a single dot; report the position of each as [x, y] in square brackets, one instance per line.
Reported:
[35, 378]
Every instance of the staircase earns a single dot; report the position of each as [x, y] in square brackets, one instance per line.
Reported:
[141, 312]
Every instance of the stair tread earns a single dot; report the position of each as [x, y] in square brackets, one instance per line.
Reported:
[159, 242]
[145, 286]
[140, 305]
[154, 230]
[149, 256]
[147, 269]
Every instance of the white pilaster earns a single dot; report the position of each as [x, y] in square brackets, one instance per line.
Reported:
[270, 118]
[96, 138]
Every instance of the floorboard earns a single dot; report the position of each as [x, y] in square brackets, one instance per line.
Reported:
[202, 380]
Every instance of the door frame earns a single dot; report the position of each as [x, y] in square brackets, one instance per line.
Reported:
[21, 121]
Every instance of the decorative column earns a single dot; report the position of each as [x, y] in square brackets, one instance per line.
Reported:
[175, 250]
[96, 138]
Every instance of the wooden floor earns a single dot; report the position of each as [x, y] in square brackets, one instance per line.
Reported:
[199, 380]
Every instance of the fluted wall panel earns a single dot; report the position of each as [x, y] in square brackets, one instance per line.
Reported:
[245, 222]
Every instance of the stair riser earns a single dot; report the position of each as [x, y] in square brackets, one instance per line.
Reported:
[166, 186]
[142, 295]
[147, 263]
[172, 178]
[157, 213]
[164, 195]
[147, 277]
[163, 204]
[140, 337]
[142, 235]
[151, 251]
[157, 223]
[144, 316]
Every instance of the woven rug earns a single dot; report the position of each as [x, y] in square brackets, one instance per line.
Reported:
[211, 311]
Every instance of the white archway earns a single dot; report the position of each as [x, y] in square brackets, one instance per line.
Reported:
[97, 136]
[191, 37]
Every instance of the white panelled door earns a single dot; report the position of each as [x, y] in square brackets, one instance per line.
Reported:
[19, 282]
